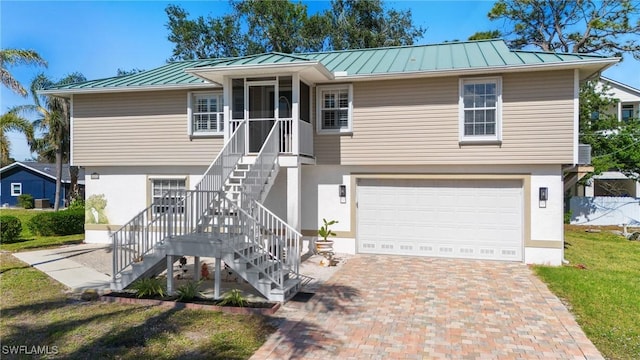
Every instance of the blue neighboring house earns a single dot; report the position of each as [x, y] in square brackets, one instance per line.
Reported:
[35, 179]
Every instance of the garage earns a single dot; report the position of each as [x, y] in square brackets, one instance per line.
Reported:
[478, 219]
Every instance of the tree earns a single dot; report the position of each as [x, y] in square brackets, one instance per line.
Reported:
[486, 35]
[203, 37]
[283, 26]
[277, 26]
[12, 121]
[577, 26]
[54, 120]
[12, 57]
[357, 24]
[123, 72]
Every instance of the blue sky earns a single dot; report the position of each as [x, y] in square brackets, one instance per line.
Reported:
[96, 38]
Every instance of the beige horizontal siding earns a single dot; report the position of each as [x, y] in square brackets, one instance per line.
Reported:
[138, 128]
[404, 122]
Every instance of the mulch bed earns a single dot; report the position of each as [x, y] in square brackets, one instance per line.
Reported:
[252, 308]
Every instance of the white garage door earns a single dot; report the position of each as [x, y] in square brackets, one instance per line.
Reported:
[477, 219]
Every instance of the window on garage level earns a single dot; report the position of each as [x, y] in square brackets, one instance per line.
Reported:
[480, 109]
[167, 194]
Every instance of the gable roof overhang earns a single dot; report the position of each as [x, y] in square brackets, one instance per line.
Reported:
[312, 71]
[627, 88]
[37, 171]
[66, 93]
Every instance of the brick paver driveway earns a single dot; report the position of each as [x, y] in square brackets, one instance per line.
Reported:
[391, 307]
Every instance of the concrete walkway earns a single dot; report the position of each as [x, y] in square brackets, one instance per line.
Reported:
[391, 307]
[59, 264]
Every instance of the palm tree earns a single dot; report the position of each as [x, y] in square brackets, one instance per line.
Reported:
[11, 121]
[10, 57]
[55, 123]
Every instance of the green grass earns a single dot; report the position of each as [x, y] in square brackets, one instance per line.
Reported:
[29, 241]
[37, 312]
[605, 296]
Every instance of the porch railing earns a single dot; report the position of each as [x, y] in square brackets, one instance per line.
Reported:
[306, 138]
[286, 138]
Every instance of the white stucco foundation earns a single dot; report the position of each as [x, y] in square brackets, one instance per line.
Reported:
[543, 256]
[127, 192]
[98, 236]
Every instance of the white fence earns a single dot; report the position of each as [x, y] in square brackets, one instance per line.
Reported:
[605, 210]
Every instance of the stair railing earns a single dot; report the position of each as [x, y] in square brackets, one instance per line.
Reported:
[224, 164]
[237, 227]
[261, 169]
[287, 240]
[148, 228]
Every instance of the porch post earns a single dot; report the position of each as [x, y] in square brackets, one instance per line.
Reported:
[295, 114]
[226, 98]
[170, 275]
[294, 193]
[196, 268]
[216, 284]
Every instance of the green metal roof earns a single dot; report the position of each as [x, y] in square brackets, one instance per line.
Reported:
[447, 56]
[169, 74]
[472, 55]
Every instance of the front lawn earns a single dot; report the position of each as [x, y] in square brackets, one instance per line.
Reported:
[601, 287]
[29, 241]
[37, 312]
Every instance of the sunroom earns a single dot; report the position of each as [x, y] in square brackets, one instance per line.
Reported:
[261, 90]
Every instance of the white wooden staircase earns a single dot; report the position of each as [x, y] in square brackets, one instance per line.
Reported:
[222, 218]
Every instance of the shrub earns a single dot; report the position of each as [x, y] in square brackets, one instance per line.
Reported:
[25, 201]
[151, 287]
[234, 298]
[10, 228]
[188, 291]
[567, 217]
[76, 204]
[67, 222]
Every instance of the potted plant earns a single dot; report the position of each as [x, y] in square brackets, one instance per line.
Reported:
[325, 246]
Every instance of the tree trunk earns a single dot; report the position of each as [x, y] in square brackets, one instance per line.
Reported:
[56, 204]
[73, 190]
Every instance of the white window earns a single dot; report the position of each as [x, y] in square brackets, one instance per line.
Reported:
[335, 108]
[480, 109]
[206, 113]
[16, 189]
[167, 193]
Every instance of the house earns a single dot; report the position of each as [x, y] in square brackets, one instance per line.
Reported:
[449, 150]
[610, 198]
[613, 183]
[35, 179]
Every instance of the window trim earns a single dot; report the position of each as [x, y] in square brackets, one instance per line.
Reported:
[319, 102]
[481, 139]
[191, 95]
[627, 107]
[19, 192]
